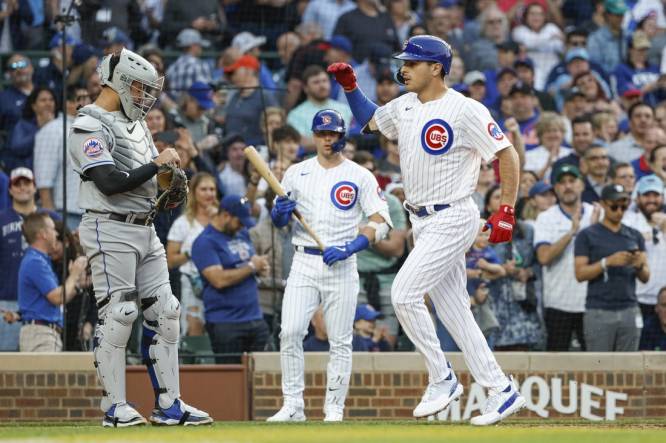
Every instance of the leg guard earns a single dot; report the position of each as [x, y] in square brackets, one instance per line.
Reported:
[112, 334]
[160, 344]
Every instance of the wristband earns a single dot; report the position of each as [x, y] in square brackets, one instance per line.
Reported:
[252, 266]
[603, 264]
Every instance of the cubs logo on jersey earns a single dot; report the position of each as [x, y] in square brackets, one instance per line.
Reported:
[436, 137]
[344, 195]
[93, 147]
[495, 132]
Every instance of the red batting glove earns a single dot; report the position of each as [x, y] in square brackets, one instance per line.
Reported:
[344, 74]
[501, 225]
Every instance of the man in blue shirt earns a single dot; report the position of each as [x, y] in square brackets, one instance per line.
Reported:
[39, 295]
[22, 191]
[653, 337]
[610, 256]
[225, 257]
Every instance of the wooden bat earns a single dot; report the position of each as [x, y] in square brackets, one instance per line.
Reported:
[263, 170]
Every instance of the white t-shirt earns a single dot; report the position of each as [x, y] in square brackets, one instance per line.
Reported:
[537, 158]
[656, 254]
[185, 233]
[561, 290]
[441, 144]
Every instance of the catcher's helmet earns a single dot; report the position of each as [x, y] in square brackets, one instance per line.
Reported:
[330, 120]
[426, 48]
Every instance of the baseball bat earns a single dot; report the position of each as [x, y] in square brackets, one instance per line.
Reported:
[263, 170]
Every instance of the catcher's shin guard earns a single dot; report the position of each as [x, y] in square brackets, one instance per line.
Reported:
[160, 344]
[113, 332]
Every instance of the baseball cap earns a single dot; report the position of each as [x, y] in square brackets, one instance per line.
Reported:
[244, 61]
[342, 43]
[524, 62]
[640, 40]
[573, 93]
[188, 37]
[365, 311]
[474, 77]
[244, 41]
[614, 192]
[238, 207]
[576, 53]
[566, 169]
[650, 183]
[521, 88]
[615, 7]
[56, 40]
[538, 188]
[21, 173]
[632, 93]
[203, 94]
[114, 35]
[508, 46]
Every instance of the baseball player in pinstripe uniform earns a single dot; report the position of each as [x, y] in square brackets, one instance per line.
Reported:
[442, 136]
[332, 193]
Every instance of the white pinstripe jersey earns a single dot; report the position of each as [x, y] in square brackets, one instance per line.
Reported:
[441, 144]
[333, 200]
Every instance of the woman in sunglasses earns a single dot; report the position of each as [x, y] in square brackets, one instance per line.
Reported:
[610, 256]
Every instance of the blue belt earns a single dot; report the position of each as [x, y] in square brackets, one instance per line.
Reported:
[311, 251]
[422, 211]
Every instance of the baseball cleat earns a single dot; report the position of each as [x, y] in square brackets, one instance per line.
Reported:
[439, 395]
[287, 413]
[122, 415]
[180, 413]
[333, 415]
[500, 405]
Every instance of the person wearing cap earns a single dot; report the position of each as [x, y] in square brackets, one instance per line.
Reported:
[368, 336]
[575, 38]
[188, 67]
[543, 40]
[631, 147]
[250, 44]
[325, 14]
[194, 110]
[649, 219]
[114, 39]
[48, 160]
[476, 85]
[13, 96]
[525, 111]
[225, 257]
[22, 192]
[554, 232]
[524, 70]
[577, 63]
[387, 88]
[50, 76]
[610, 256]
[606, 44]
[317, 87]
[596, 164]
[543, 196]
[635, 72]
[243, 109]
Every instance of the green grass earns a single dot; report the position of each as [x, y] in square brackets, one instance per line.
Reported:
[546, 431]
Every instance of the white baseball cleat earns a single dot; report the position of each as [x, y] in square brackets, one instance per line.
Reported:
[333, 415]
[180, 413]
[500, 405]
[439, 395]
[122, 415]
[286, 414]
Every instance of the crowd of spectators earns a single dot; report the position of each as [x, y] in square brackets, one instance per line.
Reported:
[578, 85]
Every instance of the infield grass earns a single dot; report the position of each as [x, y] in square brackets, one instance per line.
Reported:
[544, 431]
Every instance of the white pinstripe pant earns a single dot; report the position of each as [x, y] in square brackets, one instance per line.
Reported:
[310, 284]
[436, 266]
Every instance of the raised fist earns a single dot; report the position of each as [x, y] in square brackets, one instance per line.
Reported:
[344, 74]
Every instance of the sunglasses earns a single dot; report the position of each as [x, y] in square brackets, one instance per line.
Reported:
[19, 64]
[614, 207]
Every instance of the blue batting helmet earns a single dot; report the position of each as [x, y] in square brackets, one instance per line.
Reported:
[426, 48]
[330, 120]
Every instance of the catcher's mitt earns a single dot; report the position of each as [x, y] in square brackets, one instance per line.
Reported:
[172, 181]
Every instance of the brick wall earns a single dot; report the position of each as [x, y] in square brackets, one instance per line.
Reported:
[387, 386]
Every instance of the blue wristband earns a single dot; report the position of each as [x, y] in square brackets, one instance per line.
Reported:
[361, 106]
[358, 244]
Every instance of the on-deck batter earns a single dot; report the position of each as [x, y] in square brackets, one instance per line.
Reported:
[442, 136]
[113, 152]
[332, 193]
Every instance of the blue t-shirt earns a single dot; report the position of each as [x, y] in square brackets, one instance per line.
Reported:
[12, 245]
[36, 279]
[234, 304]
[618, 290]
[4, 191]
[11, 107]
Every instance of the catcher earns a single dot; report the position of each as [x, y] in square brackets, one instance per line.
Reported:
[112, 150]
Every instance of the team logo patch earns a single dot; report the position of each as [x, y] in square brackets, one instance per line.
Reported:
[93, 147]
[344, 195]
[495, 132]
[436, 137]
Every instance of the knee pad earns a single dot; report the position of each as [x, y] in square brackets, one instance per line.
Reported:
[162, 314]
